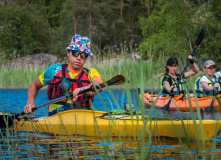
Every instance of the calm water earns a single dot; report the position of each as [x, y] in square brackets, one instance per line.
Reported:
[23, 145]
[15, 100]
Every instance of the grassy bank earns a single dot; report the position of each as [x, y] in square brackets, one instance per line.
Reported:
[108, 67]
[18, 78]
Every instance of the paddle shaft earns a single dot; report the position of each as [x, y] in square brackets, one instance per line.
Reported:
[119, 79]
[199, 39]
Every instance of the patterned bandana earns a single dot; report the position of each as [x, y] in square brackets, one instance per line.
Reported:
[80, 43]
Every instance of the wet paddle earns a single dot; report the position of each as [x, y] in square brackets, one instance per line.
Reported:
[6, 120]
[210, 108]
[199, 39]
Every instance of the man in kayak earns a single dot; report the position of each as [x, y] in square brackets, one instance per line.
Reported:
[81, 78]
[170, 78]
[208, 83]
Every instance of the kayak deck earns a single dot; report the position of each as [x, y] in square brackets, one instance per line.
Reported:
[92, 123]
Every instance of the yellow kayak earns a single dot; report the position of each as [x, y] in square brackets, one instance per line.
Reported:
[98, 123]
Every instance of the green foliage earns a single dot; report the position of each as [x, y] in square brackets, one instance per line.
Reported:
[53, 11]
[23, 32]
[17, 37]
[212, 24]
[167, 29]
[174, 26]
[216, 8]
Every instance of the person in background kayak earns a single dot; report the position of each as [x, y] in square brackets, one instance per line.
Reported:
[208, 83]
[170, 78]
[80, 77]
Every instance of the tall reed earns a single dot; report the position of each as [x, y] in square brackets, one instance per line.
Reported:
[16, 77]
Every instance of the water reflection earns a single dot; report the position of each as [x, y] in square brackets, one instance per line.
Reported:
[24, 145]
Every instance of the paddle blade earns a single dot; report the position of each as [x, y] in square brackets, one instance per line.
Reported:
[117, 80]
[200, 38]
[5, 121]
[166, 106]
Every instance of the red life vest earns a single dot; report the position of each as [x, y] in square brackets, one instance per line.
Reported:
[81, 80]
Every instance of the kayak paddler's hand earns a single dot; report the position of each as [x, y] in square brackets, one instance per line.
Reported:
[28, 109]
[216, 85]
[173, 90]
[190, 57]
[75, 93]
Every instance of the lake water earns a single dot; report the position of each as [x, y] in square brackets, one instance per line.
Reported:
[14, 100]
[23, 145]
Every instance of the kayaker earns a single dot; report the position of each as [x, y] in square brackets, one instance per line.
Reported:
[208, 83]
[81, 78]
[170, 78]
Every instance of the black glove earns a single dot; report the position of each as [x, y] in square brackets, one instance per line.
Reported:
[171, 91]
[191, 61]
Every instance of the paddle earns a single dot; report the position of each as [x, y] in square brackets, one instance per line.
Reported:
[210, 108]
[7, 119]
[199, 39]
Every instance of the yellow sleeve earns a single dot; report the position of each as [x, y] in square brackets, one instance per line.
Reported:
[41, 78]
[94, 75]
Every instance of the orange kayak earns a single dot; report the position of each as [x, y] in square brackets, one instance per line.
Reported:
[181, 102]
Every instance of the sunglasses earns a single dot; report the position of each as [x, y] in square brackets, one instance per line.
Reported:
[83, 54]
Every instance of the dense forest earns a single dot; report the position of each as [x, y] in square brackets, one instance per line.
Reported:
[153, 27]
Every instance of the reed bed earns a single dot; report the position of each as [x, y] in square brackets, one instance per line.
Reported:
[127, 65]
[18, 78]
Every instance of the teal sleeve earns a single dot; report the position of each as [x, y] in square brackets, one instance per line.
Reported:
[50, 72]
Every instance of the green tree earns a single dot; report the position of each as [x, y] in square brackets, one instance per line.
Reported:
[16, 38]
[167, 29]
[24, 30]
[211, 14]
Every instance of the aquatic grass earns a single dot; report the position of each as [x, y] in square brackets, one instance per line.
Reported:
[201, 128]
[185, 132]
[202, 141]
[149, 142]
[18, 77]
[110, 117]
[75, 154]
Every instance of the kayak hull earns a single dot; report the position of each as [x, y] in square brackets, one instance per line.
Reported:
[89, 123]
[183, 104]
